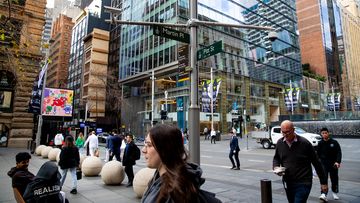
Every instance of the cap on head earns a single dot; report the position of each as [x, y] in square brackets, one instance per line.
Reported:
[22, 156]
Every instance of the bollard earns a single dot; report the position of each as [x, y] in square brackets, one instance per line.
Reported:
[266, 195]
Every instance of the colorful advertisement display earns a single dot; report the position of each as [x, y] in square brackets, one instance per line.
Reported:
[57, 102]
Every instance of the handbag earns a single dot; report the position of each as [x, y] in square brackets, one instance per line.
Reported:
[78, 173]
[97, 153]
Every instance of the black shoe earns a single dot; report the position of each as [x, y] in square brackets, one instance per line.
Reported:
[129, 185]
[237, 168]
[73, 191]
[233, 168]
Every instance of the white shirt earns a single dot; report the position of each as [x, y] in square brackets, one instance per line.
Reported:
[213, 133]
[59, 138]
[93, 141]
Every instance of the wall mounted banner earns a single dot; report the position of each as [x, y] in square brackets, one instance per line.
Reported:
[206, 86]
[357, 103]
[57, 102]
[331, 99]
[291, 98]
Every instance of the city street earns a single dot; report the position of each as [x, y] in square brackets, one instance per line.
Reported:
[229, 185]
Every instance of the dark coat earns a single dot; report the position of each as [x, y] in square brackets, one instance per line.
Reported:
[115, 144]
[20, 178]
[195, 172]
[45, 188]
[234, 144]
[69, 157]
[129, 154]
[329, 152]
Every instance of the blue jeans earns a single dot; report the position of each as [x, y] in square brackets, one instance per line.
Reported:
[73, 176]
[297, 192]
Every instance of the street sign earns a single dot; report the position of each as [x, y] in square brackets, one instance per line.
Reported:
[171, 34]
[209, 50]
[183, 57]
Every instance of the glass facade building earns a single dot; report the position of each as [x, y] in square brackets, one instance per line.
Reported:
[91, 18]
[250, 66]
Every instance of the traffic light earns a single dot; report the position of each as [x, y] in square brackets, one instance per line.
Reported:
[247, 118]
[163, 114]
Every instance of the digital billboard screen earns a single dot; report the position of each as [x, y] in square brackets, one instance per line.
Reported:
[57, 102]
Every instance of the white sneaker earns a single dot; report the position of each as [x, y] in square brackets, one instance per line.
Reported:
[323, 197]
[336, 197]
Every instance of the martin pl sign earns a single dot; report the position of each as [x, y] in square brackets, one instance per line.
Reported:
[171, 34]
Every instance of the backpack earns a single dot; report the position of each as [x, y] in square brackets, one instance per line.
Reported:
[207, 197]
[137, 153]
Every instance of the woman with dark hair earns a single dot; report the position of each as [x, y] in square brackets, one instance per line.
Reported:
[175, 180]
[69, 160]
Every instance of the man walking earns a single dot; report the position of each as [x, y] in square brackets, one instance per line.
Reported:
[114, 146]
[206, 133]
[329, 152]
[296, 155]
[93, 143]
[234, 151]
[129, 159]
[213, 136]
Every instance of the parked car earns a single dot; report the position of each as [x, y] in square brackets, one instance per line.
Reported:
[270, 138]
[102, 137]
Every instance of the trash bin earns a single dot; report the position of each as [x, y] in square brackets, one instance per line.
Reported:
[218, 136]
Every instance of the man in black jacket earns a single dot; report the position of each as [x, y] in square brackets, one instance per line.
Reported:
[329, 152]
[20, 174]
[296, 154]
[234, 151]
[129, 159]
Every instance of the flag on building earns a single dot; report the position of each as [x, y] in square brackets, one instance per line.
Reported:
[292, 98]
[206, 94]
[333, 100]
[35, 101]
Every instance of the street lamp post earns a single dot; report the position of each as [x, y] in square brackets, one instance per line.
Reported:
[152, 96]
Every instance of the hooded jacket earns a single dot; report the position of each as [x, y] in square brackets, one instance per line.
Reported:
[151, 194]
[45, 188]
[20, 178]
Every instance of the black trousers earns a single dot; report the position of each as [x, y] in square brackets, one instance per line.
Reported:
[117, 156]
[130, 173]
[213, 138]
[236, 155]
[334, 176]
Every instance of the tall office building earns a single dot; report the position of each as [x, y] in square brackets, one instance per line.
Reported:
[349, 52]
[328, 37]
[142, 53]
[92, 17]
[277, 61]
[59, 52]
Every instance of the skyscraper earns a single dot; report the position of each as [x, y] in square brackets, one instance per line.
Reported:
[141, 53]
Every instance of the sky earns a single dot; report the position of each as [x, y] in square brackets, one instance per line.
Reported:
[50, 4]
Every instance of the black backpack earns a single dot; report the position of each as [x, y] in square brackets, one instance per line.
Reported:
[207, 197]
[137, 153]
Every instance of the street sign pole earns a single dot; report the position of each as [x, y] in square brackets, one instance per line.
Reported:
[194, 109]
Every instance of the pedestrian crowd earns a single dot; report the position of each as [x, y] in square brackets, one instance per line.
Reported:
[176, 179]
